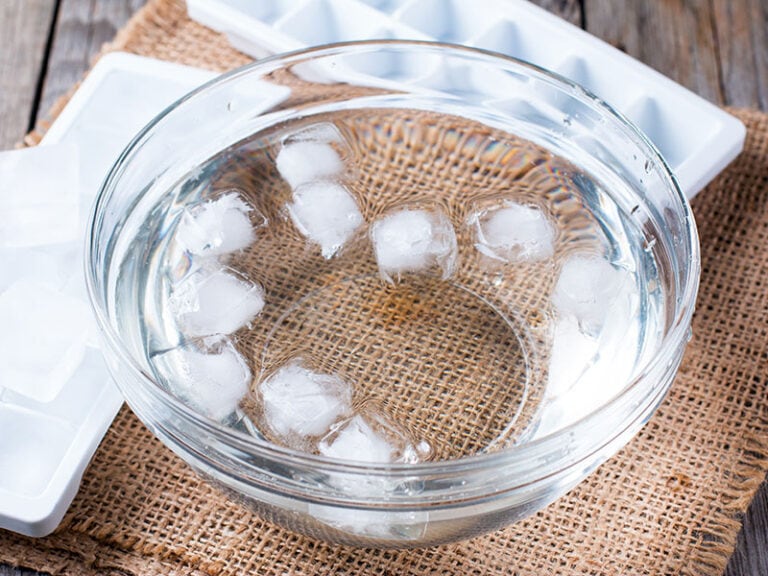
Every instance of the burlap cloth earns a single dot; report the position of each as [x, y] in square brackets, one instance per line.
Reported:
[669, 503]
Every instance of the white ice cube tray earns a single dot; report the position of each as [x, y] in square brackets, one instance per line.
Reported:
[45, 444]
[696, 138]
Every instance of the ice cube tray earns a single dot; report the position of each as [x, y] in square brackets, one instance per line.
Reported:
[696, 138]
[46, 445]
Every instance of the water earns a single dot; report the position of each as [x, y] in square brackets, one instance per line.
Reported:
[433, 288]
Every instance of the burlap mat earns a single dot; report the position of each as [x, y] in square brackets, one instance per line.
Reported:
[668, 503]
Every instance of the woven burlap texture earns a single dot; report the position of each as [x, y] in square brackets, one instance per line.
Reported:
[668, 503]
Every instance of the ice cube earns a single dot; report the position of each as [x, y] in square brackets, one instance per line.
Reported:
[356, 440]
[573, 353]
[39, 198]
[513, 232]
[298, 403]
[43, 335]
[207, 303]
[219, 226]
[371, 436]
[587, 287]
[414, 240]
[211, 379]
[589, 366]
[308, 160]
[326, 213]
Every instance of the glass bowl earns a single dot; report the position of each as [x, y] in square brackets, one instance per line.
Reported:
[490, 272]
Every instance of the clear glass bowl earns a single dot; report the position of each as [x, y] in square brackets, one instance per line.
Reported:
[397, 94]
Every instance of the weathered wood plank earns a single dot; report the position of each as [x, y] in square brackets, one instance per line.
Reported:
[24, 31]
[569, 10]
[83, 26]
[750, 558]
[742, 36]
[8, 571]
[676, 37]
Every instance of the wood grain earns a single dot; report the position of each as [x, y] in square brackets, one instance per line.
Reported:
[750, 558]
[83, 26]
[742, 37]
[676, 37]
[24, 29]
[569, 10]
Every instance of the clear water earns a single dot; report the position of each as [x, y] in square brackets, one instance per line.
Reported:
[537, 310]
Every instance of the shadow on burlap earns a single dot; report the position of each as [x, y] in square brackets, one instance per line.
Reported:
[668, 503]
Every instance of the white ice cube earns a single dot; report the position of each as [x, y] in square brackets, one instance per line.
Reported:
[357, 441]
[298, 403]
[587, 287]
[372, 436]
[326, 213]
[43, 335]
[303, 161]
[572, 354]
[207, 303]
[212, 379]
[593, 356]
[219, 226]
[39, 200]
[513, 232]
[413, 240]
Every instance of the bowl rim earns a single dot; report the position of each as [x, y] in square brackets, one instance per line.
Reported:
[673, 339]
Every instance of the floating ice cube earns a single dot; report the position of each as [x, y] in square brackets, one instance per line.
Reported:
[513, 232]
[211, 379]
[371, 436]
[43, 335]
[592, 358]
[39, 198]
[414, 241]
[298, 403]
[207, 303]
[307, 155]
[219, 226]
[573, 353]
[586, 289]
[326, 213]
[356, 440]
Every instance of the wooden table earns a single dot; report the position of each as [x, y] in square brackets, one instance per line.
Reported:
[717, 48]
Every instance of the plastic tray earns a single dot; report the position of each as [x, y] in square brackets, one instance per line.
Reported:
[45, 446]
[696, 138]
